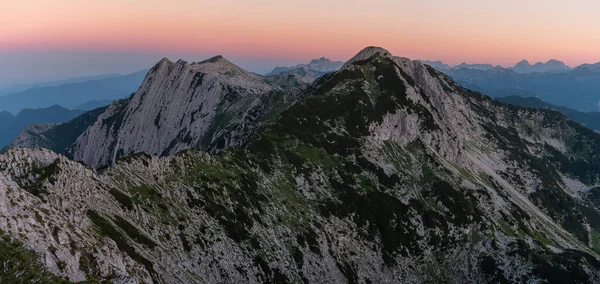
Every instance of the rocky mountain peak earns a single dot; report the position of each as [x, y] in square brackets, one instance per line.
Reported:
[217, 62]
[366, 53]
[551, 65]
[164, 60]
[321, 65]
[317, 60]
[524, 62]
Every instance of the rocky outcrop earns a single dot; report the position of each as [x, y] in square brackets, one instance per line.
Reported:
[32, 136]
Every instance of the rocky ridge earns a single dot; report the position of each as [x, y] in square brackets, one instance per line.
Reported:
[384, 171]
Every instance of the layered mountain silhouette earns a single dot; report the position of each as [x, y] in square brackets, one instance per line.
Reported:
[383, 171]
[16, 88]
[587, 119]
[521, 67]
[10, 125]
[93, 104]
[321, 65]
[72, 93]
[552, 65]
[578, 89]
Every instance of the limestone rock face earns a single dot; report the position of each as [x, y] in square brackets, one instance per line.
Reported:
[385, 171]
[212, 105]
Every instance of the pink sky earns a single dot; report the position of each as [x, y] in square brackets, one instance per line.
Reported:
[497, 32]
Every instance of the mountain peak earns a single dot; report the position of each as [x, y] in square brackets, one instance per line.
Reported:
[218, 63]
[321, 65]
[366, 53]
[214, 65]
[215, 59]
[322, 60]
[5, 114]
[551, 65]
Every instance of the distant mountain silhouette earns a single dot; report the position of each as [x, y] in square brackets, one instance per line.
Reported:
[588, 119]
[552, 65]
[71, 95]
[11, 126]
[439, 65]
[474, 66]
[15, 88]
[522, 67]
[322, 65]
[577, 88]
[93, 105]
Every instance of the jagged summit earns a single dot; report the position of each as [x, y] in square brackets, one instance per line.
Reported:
[214, 59]
[323, 58]
[367, 53]
[214, 65]
[551, 65]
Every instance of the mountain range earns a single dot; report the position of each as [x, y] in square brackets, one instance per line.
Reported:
[522, 67]
[384, 171]
[578, 89]
[587, 119]
[16, 88]
[72, 93]
[552, 65]
[321, 65]
[11, 126]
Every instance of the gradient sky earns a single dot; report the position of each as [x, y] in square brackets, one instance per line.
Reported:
[51, 39]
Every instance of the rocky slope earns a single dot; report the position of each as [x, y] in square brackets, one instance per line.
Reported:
[209, 105]
[385, 171]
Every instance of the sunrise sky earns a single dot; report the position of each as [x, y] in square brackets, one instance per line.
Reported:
[52, 39]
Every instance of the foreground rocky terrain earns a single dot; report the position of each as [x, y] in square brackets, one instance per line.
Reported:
[384, 171]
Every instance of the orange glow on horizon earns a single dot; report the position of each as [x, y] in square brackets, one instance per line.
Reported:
[497, 32]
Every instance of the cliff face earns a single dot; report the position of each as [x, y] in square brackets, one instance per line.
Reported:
[211, 104]
[385, 171]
